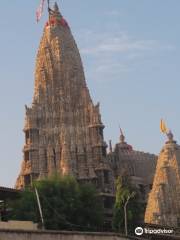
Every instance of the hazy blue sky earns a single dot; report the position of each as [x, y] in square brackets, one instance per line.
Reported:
[131, 55]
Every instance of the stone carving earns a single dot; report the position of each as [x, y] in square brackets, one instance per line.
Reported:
[138, 166]
[63, 128]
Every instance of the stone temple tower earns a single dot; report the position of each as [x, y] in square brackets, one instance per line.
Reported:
[63, 128]
[163, 206]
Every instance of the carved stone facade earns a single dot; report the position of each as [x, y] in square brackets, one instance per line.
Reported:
[138, 166]
[63, 128]
[163, 206]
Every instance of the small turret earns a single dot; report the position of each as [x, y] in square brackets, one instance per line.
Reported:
[122, 145]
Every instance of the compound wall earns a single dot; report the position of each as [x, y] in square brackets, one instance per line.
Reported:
[53, 235]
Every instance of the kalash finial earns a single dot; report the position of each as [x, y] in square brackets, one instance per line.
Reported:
[55, 11]
[55, 17]
[170, 136]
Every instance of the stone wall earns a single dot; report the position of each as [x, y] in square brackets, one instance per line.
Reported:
[26, 225]
[53, 235]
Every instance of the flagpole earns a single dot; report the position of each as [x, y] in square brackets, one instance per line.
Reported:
[40, 208]
[48, 11]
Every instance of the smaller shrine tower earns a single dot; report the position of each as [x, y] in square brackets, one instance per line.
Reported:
[163, 206]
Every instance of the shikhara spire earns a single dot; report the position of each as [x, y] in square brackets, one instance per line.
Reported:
[63, 128]
[163, 206]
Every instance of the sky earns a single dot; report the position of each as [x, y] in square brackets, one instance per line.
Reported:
[131, 56]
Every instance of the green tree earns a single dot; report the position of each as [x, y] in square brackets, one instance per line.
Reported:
[66, 204]
[91, 208]
[134, 209]
[59, 197]
[24, 207]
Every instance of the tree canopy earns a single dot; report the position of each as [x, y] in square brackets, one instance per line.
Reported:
[66, 204]
[134, 209]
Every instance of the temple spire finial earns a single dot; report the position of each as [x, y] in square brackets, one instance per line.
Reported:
[55, 16]
[166, 131]
[170, 136]
[56, 8]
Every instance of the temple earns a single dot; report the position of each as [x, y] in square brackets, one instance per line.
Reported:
[63, 127]
[163, 206]
[138, 166]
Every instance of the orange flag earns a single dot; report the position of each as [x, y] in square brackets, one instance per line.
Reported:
[163, 127]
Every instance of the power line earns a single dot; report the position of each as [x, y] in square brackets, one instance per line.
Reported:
[63, 218]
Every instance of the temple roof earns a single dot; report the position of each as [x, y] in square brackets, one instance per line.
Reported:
[122, 145]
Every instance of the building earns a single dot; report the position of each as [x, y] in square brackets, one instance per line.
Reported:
[6, 194]
[63, 128]
[163, 206]
[138, 166]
